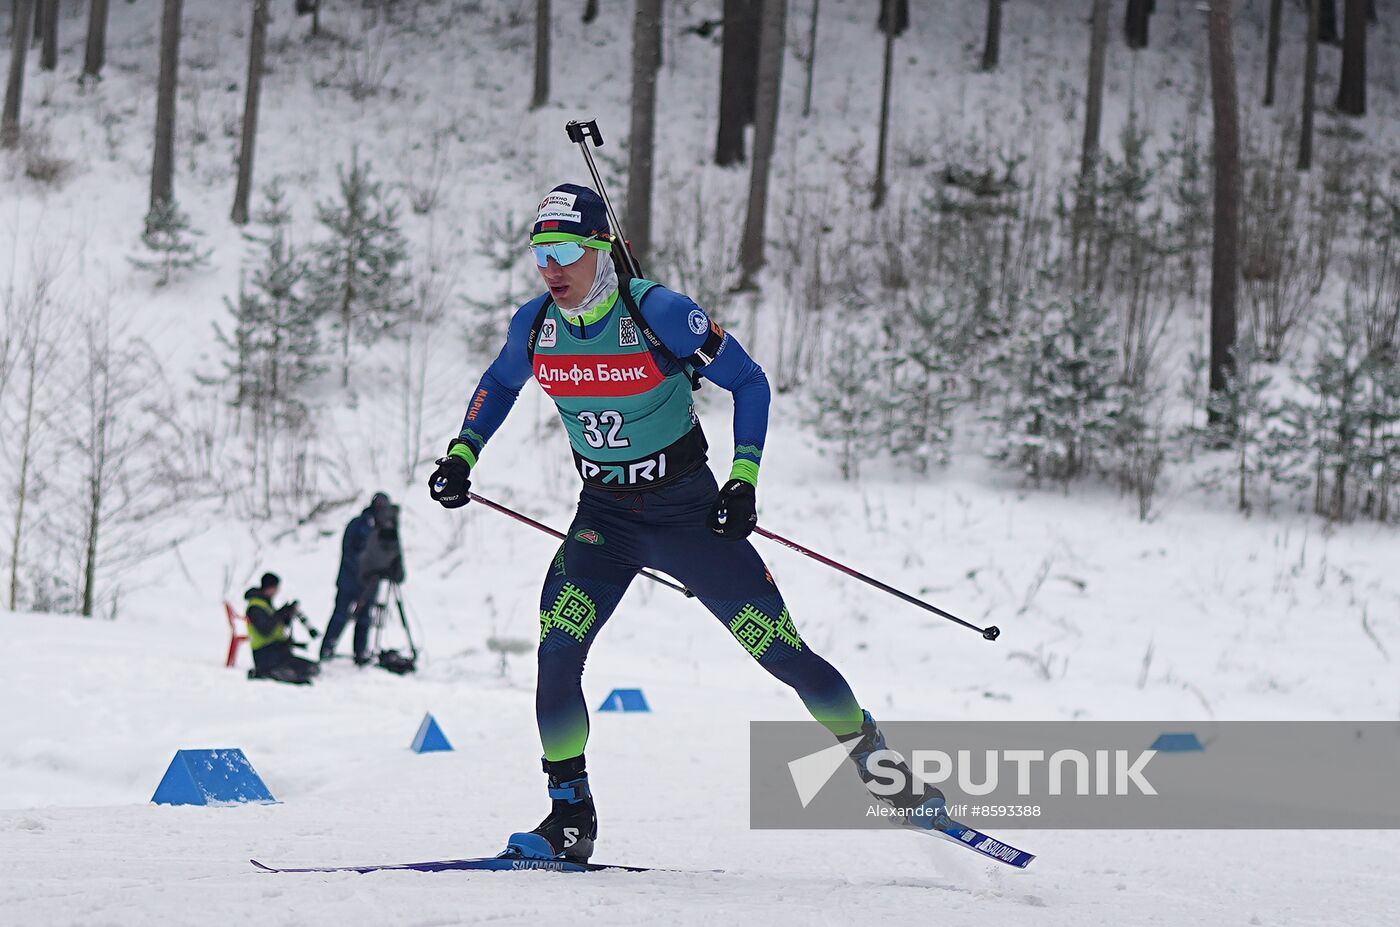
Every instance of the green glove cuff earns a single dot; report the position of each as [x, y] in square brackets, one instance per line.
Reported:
[463, 451]
[745, 470]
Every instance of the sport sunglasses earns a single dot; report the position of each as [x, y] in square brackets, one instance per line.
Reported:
[563, 252]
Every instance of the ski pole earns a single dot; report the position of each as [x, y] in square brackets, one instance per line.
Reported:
[991, 632]
[560, 535]
[580, 133]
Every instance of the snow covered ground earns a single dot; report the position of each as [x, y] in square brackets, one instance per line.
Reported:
[1200, 615]
[95, 710]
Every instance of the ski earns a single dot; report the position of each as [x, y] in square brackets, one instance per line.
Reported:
[479, 864]
[978, 842]
[942, 826]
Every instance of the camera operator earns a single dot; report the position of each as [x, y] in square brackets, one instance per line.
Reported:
[380, 560]
[270, 635]
[347, 580]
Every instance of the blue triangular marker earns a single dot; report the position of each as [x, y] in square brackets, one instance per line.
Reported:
[203, 777]
[430, 738]
[177, 785]
[1177, 743]
[625, 700]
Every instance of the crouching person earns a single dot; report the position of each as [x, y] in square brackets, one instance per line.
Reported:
[270, 636]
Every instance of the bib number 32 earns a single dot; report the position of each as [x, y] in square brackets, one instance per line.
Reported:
[600, 429]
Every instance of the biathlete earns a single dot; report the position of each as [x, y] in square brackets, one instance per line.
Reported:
[620, 357]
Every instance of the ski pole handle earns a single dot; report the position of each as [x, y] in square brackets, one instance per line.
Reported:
[578, 131]
[991, 632]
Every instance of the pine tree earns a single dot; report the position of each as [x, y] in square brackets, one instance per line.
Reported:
[294, 355]
[1189, 194]
[924, 383]
[171, 242]
[1139, 446]
[275, 357]
[358, 272]
[847, 407]
[275, 340]
[1247, 424]
[1381, 459]
[1063, 398]
[1350, 427]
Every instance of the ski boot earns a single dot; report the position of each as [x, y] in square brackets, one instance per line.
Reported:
[916, 804]
[571, 827]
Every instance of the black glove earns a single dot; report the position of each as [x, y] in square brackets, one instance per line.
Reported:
[450, 483]
[734, 513]
[287, 613]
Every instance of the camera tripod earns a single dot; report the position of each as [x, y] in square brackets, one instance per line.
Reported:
[392, 660]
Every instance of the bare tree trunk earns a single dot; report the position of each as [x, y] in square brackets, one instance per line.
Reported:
[99, 387]
[163, 162]
[1351, 94]
[1135, 22]
[882, 142]
[772, 40]
[991, 51]
[590, 11]
[738, 78]
[94, 526]
[542, 24]
[14, 89]
[120, 402]
[257, 56]
[1085, 201]
[22, 496]
[646, 48]
[48, 54]
[1225, 256]
[750, 40]
[1305, 141]
[1093, 107]
[347, 303]
[1271, 61]
[811, 59]
[1327, 32]
[896, 13]
[40, 334]
[26, 439]
[9, 341]
[95, 54]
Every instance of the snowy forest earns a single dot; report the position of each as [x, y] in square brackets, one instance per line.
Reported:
[1078, 321]
[1173, 266]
